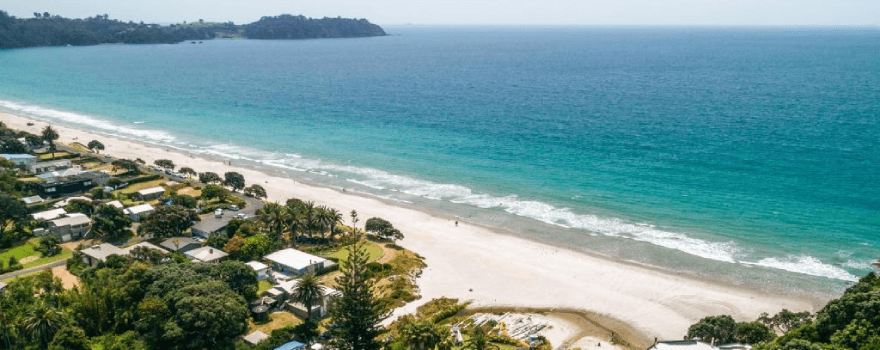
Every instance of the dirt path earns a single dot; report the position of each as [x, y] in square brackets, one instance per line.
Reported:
[67, 279]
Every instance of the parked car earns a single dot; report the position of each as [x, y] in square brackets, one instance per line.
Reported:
[233, 207]
[218, 213]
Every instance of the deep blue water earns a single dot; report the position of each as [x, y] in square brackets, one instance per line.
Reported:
[748, 154]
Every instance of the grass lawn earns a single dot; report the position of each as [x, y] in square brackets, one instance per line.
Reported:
[373, 249]
[48, 156]
[278, 320]
[80, 147]
[29, 249]
[263, 286]
[142, 186]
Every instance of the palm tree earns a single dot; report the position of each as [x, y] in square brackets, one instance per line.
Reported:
[295, 220]
[479, 340]
[421, 335]
[274, 217]
[310, 212]
[42, 323]
[334, 217]
[308, 292]
[50, 135]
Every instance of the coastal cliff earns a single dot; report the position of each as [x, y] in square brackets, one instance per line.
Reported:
[48, 30]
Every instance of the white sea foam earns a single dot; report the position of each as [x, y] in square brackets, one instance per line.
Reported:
[859, 265]
[88, 122]
[807, 265]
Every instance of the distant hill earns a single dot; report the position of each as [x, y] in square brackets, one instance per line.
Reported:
[47, 30]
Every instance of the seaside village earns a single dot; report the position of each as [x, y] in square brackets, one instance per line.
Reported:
[104, 253]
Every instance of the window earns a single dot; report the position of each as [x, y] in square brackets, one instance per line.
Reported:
[87, 183]
[50, 189]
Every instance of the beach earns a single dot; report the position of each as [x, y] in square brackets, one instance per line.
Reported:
[489, 268]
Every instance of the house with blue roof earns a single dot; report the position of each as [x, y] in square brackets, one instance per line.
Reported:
[292, 346]
[22, 160]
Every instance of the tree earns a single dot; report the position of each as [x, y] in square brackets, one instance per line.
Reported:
[233, 246]
[147, 255]
[357, 313]
[210, 178]
[169, 221]
[12, 211]
[420, 335]
[212, 191]
[274, 217]
[234, 180]
[42, 322]
[256, 246]
[713, 329]
[753, 333]
[383, 228]
[217, 240]
[115, 182]
[50, 244]
[308, 292]
[189, 172]
[255, 191]
[50, 135]
[110, 221]
[129, 166]
[80, 206]
[479, 340]
[70, 338]
[33, 141]
[164, 164]
[786, 320]
[96, 146]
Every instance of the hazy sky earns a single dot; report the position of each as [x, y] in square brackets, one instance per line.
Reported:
[504, 12]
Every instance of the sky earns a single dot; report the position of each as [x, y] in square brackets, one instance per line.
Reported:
[478, 12]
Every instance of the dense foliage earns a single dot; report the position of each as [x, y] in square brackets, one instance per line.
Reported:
[53, 30]
[851, 322]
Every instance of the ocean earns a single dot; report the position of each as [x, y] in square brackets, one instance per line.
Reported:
[744, 155]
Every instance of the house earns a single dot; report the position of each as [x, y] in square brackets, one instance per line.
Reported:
[71, 185]
[49, 214]
[293, 345]
[206, 255]
[52, 165]
[256, 337]
[71, 227]
[180, 244]
[32, 200]
[99, 253]
[67, 200]
[292, 261]
[116, 204]
[127, 250]
[59, 175]
[20, 160]
[320, 309]
[151, 193]
[138, 212]
[681, 345]
[100, 177]
[210, 224]
[259, 268]
[2, 287]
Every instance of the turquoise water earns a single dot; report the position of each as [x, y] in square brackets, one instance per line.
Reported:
[749, 155]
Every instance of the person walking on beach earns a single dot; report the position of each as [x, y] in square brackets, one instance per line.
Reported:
[456, 223]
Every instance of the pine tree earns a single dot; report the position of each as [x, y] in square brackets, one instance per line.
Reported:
[357, 313]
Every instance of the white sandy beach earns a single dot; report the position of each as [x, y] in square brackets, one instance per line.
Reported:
[474, 263]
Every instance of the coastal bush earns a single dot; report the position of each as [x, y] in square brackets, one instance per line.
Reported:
[145, 178]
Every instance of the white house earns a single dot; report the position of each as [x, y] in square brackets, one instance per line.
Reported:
[151, 193]
[52, 165]
[139, 212]
[32, 199]
[49, 214]
[259, 268]
[59, 175]
[71, 227]
[206, 255]
[99, 253]
[292, 261]
[116, 204]
[67, 200]
[21, 160]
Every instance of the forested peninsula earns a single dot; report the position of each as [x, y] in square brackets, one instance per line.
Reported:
[45, 29]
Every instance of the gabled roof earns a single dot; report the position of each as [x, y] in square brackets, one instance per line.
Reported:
[32, 199]
[49, 214]
[117, 204]
[128, 250]
[291, 346]
[206, 254]
[72, 219]
[102, 251]
[60, 173]
[181, 242]
[151, 190]
[16, 156]
[66, 201]
[256, 265]
[256, 337]
[138, 209]
[294, 258]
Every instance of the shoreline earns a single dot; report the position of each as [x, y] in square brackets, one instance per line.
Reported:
[492, 268]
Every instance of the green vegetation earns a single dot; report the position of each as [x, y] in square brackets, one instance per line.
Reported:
[30, 248]
[374, 252]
